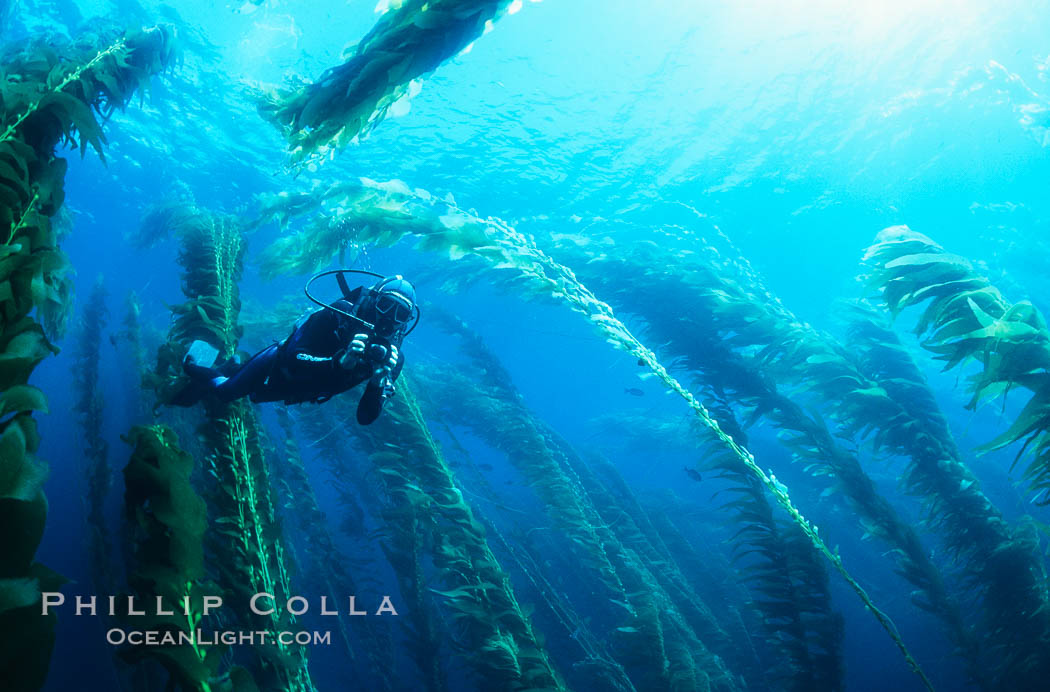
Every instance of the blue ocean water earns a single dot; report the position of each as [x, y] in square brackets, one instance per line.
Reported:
[790, 132]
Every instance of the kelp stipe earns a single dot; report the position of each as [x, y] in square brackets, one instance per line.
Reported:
[244, 541]
[698, 650]
[657, 647]
[326, 562]
[89, 405]
[733, 344]
[55, 99]
[411, 39]
[967, 319]
[524, 556]
[488, 413]
[399, 507]
[395, 211]
[496, 417]
[785, 570]
[1001, 562]
[246, 544]
[130, 341]
[972, 526]
[640, 533]
[493, 633]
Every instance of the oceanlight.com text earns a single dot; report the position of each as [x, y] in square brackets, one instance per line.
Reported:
[120, 637]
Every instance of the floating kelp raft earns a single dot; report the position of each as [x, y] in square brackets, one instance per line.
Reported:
[481, 540]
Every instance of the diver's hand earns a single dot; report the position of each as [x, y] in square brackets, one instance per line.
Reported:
[348, 360]
[357, 346]
[354, 353]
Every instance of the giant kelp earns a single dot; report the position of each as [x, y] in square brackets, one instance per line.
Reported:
[89, 404]
[497, 416]
[967, 319]
[168, 521]
[394, 211]
[494, 411]
[996, 558]
[391, 501]
[490, 629]
[725, 345]
[49, 95]
[638, 531]
[524, 556]
[597, 670]
[244, 535]
[411, 39]
[792, 588]
[1006, 570]
[699, 653]
[327, 562]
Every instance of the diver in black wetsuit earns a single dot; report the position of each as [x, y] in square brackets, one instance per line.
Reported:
[355, 339]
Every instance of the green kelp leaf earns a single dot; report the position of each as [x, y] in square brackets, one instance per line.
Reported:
[80, 119]
[22, 397]
[25, 518]
[18, 593]
[50, 184]
[19, 156]
[1034, 417]
[6, 294]
[14, 461]
[920, 259]
[240, 678]
[12, 181]
[26, 641]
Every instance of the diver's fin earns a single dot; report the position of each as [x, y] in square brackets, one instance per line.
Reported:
[202, 354]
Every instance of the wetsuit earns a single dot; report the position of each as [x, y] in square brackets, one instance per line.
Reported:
[304, 367]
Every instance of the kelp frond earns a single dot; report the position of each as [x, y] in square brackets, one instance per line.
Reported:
[1004, 566]
[245, 534]
[48, 96]
[411, 39]
[733, 327]
[444, 227]
[168, 521]
[89, 405]
[966, 319]
[491, 629]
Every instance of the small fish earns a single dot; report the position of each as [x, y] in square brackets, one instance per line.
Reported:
[694, 474]
[113, 339]
[485, 467]
[633, 391]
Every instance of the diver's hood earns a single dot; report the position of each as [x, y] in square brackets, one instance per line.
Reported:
[397, 288]
[393, 302]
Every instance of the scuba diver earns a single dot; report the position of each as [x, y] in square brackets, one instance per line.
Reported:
[353, 340]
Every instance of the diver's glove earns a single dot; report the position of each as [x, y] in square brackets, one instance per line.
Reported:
[354, 353]
[394, 357]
